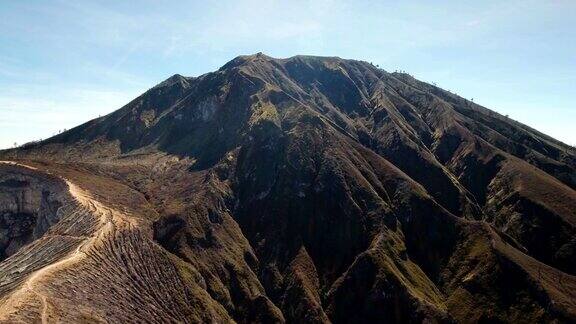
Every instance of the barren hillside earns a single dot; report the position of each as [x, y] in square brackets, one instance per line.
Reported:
[307, 189]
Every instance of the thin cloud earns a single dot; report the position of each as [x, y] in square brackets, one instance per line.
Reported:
[62, 46]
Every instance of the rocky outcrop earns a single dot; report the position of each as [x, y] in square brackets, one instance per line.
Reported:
[306, 189]
[29, 206]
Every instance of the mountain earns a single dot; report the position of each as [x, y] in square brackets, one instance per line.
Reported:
[307, 189]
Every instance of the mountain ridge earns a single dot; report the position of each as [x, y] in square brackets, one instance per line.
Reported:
[321, 189]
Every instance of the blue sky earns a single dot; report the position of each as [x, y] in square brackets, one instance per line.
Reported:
[65, 62]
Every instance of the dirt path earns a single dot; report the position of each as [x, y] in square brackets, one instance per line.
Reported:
[110, 220]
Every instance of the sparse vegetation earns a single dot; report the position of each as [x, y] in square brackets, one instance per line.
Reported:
[293, 190]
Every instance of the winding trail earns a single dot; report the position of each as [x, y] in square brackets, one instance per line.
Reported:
[110, 219]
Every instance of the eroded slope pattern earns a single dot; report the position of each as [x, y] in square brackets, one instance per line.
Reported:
[305, 189]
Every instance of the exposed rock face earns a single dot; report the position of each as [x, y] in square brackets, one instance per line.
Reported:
[305, 189]
[28, 207]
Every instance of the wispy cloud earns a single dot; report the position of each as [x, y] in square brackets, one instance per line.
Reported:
[119, 49]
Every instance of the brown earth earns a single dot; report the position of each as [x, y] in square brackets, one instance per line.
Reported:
[307, 189]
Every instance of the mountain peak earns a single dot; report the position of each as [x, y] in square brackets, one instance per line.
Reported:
[300, 189]
[174, 79]
[245, 59]
[260, 58]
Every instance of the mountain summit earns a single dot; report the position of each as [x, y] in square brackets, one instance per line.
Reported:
[306, 189]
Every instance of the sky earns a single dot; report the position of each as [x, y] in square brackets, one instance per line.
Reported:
[65, 62]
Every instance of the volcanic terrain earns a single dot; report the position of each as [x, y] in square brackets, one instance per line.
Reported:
[300, 190]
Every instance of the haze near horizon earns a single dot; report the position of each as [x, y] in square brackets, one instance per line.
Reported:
[63, 63]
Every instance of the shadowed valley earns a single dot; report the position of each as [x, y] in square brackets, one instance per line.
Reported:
[307, 189]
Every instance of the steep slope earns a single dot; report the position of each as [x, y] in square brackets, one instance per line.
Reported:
[96, 263]
[306, 189]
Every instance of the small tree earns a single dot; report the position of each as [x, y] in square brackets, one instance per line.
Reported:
[15, 144]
